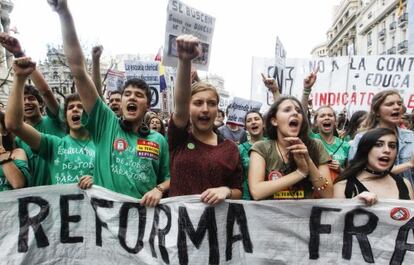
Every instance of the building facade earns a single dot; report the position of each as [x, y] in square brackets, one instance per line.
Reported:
[320, 51]
[341, 35]
[382, 28]
[6, 59]
[367, 27]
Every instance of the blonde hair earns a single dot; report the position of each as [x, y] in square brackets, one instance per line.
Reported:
[204, 86]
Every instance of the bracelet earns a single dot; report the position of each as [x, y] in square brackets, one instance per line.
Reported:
[7, 160]
[158, 187]
[321, 187]
[229, 195]
[303, 175]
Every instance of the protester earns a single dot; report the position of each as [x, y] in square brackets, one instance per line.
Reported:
[370, 170]
[232, 131]
[35, 100]
[14, 170]
[156, 124]
[130, 159]
[69, 158]
[202, 162]
[253, 122]
[115, 102]
[219, 121]
[289, 165]
[385, 112]
[356, 124]
[325, 121]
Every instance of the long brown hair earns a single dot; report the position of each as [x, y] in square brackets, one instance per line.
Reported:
[377, 100]
[303, 132]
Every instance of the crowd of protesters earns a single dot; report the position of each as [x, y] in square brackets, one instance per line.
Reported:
[290, 152]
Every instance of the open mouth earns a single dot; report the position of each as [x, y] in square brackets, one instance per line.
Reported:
[294, 123]
[204, 118]
[76, 118]
[395, 115]
[28, 109]
[384, 159]
[114, 108]
[132, 107]
[326, 125]
[254, 128]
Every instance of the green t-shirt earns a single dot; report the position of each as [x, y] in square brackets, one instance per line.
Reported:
[125, 162]
[275, 168]
[338, 150]
[244, 149]
[67, 158]
[50, 124]
[23, 167]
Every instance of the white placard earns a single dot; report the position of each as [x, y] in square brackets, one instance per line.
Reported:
[184, 19]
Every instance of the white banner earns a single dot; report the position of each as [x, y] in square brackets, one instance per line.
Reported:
[348, 82]
[239, 108]
[149, 72]
[114, 80]
[183, 19]
[62, 224]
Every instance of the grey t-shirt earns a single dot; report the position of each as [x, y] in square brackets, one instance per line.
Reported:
[239, 136]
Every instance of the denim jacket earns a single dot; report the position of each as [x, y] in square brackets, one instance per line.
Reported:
[405, 150]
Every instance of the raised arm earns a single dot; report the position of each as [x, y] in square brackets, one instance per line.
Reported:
[22, 67]
[13, 46]
[307, 88]
[96, 68]
[188, 48]
[272, 86]
[74, 55]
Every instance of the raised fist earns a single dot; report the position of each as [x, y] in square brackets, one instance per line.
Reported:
[97, 52]
[10, 43]
[188, 47]
[309, 81]
[23, 66]
[58, 5]
[270, 83]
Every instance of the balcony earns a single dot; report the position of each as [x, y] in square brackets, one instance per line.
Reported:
[402, 20]
[381, 34]
[391, 50]
[403, 46]
[393, 26]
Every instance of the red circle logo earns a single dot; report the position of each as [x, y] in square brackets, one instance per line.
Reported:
[120, 144]
[400, 214]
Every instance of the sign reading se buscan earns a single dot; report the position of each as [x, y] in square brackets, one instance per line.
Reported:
[65, 225]
[184, 19]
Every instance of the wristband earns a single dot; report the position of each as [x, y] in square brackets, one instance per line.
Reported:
[7, 160]
[303, 175]
[158, 187]
[321, 187]
[19, 54]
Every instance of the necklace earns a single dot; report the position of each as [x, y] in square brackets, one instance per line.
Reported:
[377, 173]
[281, 155]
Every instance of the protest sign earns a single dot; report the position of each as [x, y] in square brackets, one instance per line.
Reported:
[349, 82]
[114, 80]
[280, 63]
[238, 109]
[183, 19]
[63, 224]
[149, 72]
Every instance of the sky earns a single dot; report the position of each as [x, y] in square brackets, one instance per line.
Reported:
[243, 29]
